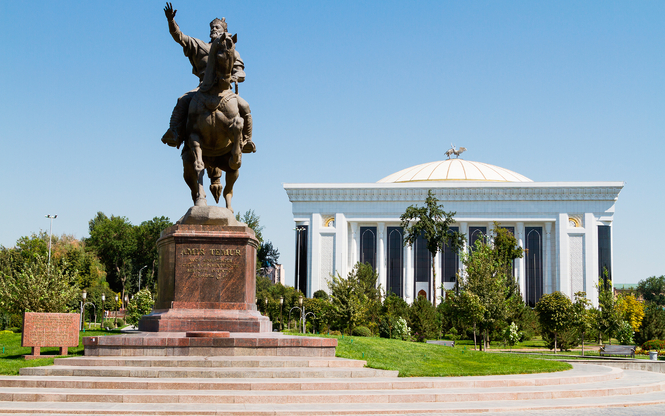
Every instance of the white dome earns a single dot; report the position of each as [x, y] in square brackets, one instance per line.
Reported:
[455, 170]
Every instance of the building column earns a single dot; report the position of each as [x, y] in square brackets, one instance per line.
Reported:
[436, 290]
[464, 230]
[381, 255]
[314, 277]
[408, 275]
[490, 231]
[341, 243]
[521, 269]
[563, 278]
[591, 274]
[355, 242]
[548, 258]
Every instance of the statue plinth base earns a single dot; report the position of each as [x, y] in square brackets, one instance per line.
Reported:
[207, 276]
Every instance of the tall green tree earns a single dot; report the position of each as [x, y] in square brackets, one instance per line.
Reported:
[253, 221]
[506, 250]
[36, 287]
[146, 254]
[356, 300]
[581, 316]
[554, 313]
[433, 223]
[610, 316]
[114, 241]
[652, 289]
[485, 278]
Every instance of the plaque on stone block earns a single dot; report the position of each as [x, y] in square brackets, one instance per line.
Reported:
[207, 276]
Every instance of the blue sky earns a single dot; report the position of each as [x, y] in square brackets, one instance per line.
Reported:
[343, 91]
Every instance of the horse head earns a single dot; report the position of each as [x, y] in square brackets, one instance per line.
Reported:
[221, 58]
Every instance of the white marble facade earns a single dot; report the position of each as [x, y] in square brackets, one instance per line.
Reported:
[568, 225]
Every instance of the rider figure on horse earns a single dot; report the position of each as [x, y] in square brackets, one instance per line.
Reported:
[197, 51]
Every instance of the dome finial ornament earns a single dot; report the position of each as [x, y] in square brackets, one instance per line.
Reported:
[454, 151]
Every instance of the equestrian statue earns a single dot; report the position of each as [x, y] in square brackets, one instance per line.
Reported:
[212, 121]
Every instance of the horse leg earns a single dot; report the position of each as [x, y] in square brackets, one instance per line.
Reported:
[215, 173]
[189, 174]
[199, 168]
[236, 152]
[231, 178]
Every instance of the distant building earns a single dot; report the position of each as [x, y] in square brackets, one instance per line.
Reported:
[564, 227]
[626, 288]
[276, 274]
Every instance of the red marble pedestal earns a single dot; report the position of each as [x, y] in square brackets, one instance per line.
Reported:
[206, 281]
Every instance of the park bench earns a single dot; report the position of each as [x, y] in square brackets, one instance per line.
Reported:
[444, 343]
[624, 350]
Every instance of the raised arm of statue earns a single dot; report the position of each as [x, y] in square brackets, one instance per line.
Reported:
[178, 36]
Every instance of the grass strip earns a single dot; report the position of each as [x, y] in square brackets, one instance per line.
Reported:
[11, 359]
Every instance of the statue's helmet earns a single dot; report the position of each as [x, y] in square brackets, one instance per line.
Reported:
[221, 22]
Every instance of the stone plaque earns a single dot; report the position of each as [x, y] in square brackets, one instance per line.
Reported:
[210, 272]
[50, 330]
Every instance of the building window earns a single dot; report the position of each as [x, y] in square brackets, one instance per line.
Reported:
[475, 234]
[605, 252]
[301, 258]
[422, 267]
[450, 262]
[395, 258]
[368, 246]
[534, 265]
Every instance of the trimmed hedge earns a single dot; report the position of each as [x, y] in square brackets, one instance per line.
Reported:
[362, 331]
[654, 344]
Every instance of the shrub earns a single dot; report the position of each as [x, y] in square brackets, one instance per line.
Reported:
[423, 319]
[321, 294]
[625, 333]
[362, 331]
[141, 304]
[401, 330]
[337, 333]
[653, 324]
[654, 344]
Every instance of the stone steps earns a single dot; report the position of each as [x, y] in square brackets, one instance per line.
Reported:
[233, 361]
[206, 372]
[261, 386]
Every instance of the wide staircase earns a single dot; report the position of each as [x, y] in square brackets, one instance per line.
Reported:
[242, 385]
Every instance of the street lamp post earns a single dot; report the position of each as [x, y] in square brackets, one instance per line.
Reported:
[298, 231]
[303, 313]
[140, 276]
[116, 311]
[103, 310]
[83, 296]
[50, 235]
[281, 306]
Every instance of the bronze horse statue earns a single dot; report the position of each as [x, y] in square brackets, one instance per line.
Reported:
[214, 127]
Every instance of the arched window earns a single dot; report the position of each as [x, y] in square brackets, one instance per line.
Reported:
[395, 257]
[368, 246]
[534, 265]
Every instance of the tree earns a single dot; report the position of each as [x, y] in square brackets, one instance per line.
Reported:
[356, 300]
[506, 250]
[652, 289]
[422, 319]
[267, 255]
[146, 254]
[631, 310]
[581, 318]
[472, 311]
[485, 278]
[114, 241]
[141, 304]
[433, 223]
[36, 287]
[653, 323]
[554, 314]
[253, 221]
[609, 317]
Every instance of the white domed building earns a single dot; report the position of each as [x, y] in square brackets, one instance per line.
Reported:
[564, 227]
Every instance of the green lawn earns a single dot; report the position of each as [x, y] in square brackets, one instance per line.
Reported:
[11, 359]
[411, 359]
[415, 359]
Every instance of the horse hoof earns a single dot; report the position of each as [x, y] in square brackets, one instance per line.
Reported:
[201, 202]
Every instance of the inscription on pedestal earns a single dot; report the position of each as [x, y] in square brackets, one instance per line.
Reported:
[208, 271]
